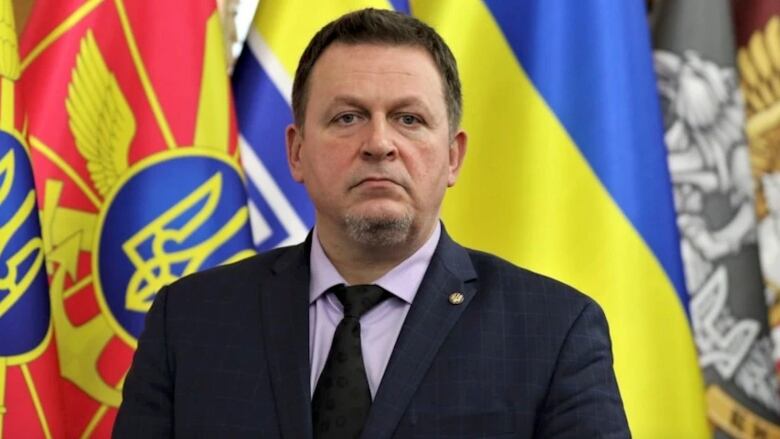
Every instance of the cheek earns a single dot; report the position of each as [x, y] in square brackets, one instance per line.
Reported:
[325, 171]
[437, 161]
[430, 170]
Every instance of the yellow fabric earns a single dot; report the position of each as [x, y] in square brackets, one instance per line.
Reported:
[527, 194]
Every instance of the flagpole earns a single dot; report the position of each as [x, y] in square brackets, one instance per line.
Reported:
[3, 409]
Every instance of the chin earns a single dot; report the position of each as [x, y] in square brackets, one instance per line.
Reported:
[380, 229]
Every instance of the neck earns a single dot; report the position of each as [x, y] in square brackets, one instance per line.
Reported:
[359, 263]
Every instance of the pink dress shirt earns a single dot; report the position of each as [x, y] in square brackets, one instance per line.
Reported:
[379, 327]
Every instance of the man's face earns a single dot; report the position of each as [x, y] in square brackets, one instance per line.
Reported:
[375, 150]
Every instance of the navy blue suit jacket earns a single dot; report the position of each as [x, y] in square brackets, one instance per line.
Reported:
[225, 354]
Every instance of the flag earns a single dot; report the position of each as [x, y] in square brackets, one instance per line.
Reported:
[279, 208]
[30, 401]
[758, 60]
[567, 176]
[713, 187]
[133, 144]
[566, 171]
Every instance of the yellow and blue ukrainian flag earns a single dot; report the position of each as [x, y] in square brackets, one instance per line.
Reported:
[566, 171]
[566, 175]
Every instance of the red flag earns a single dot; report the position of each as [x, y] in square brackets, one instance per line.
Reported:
[30, 402]
[133, 145]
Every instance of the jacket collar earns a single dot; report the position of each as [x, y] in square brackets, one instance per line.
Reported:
[285, 329]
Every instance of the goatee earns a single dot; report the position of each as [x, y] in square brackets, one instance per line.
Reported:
[378, 231]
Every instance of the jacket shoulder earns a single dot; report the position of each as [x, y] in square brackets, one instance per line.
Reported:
[526, 286]
[232, 278]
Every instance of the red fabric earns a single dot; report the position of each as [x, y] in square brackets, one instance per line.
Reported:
[170, 39]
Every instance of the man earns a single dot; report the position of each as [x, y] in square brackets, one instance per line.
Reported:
[379, 325]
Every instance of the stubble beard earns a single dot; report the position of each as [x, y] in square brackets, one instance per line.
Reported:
[383, 231]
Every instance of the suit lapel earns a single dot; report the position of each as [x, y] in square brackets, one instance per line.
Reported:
[429, 321]
[284, 304]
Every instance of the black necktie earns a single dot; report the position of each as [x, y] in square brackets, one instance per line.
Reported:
[342, 397]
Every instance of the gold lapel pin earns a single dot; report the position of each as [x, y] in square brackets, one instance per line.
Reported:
[457, 298]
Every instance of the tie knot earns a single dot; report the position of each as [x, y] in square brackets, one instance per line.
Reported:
[358, 299]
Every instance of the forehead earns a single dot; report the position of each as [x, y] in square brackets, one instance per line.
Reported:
[351, 67]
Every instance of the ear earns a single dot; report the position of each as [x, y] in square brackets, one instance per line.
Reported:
[294, 142]
[457, 154]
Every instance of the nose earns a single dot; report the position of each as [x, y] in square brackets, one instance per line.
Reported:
[378, 144]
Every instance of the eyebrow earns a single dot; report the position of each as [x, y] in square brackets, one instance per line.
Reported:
[356, 102]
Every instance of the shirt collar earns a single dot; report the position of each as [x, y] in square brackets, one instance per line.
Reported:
[402, 281]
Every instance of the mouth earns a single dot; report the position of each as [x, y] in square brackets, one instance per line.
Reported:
[378, 182]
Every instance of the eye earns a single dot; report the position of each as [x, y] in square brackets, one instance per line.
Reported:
[346, 118]
[409, 120]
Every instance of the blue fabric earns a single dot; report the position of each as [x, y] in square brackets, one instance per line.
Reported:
[262, 114]
[23, 326]
[401, 5]
[611, 111]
